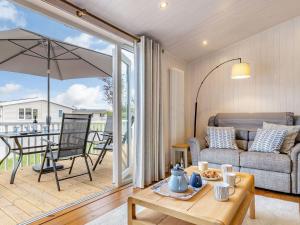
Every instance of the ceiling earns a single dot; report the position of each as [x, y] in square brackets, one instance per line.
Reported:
[184, 24]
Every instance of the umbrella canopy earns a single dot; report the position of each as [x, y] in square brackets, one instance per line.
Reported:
[23, 51]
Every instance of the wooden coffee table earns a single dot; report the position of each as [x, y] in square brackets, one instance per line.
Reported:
[201, 209]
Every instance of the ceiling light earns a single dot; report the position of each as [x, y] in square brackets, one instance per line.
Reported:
[204, 42]
[163, 4]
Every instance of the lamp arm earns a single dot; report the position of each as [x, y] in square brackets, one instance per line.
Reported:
[202, 82]
[210, 72]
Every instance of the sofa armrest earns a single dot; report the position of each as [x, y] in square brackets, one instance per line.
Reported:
[195, 150]
[295, 157]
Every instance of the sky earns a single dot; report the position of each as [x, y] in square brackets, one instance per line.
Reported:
[81, 93]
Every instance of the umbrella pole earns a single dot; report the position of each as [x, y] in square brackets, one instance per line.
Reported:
[48, 168]
[48, 89]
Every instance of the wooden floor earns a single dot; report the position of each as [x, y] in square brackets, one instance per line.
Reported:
[90, 210]
[27, 198]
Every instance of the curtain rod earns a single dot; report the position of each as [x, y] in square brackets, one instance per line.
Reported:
[83, 12]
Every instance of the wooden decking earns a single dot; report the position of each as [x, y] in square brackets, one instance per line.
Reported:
[27, 198]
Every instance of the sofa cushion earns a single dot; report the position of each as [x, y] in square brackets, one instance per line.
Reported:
[270, 180]
[289, 140]
[242, 144]
[252, 134]
[266, 161]
[221, 137]
[268, 140]
[252, 120]
[221, 156]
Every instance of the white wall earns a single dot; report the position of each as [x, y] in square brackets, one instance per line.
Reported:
[11, 112]
[168, 61]
[274, 57]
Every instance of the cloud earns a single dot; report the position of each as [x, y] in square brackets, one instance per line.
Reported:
[83, 40]
[107, 50]
[81, 96]
[9, 88]
[10, 13]
[88, 41]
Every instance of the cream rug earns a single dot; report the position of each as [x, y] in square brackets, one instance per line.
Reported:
[269, 211]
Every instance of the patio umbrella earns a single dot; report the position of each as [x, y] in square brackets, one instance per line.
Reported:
[27, 52]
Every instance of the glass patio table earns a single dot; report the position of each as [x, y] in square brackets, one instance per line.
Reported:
[21, 150]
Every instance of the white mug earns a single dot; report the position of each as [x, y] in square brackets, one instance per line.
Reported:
[222, 191]
[232, 179]
[226, 168]
[202, 165]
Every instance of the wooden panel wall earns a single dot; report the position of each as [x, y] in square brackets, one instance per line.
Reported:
[168, 61]
[177, 127]
[274, 57]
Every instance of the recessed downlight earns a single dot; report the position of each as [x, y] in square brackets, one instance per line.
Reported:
[163, 4]
[204, 42]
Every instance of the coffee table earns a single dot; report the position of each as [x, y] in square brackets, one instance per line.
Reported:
[201, 209]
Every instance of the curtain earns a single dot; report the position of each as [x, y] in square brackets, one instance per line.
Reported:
[149, 161]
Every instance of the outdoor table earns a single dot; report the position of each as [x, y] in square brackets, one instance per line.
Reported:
[20, 149]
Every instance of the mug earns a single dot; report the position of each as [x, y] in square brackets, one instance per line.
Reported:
[226, 168]
[232, 179]
[222, 191]
[202, 165]
[195, 180]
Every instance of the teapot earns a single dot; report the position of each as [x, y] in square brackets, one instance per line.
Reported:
[178, 182]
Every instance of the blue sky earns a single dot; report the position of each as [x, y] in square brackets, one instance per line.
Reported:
[88, 92]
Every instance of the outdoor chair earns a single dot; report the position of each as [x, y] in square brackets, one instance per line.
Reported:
[72, 144]
[102, 137]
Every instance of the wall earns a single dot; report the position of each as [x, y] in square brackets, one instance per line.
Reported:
[274, 86]
[168, 61]
[11, 112]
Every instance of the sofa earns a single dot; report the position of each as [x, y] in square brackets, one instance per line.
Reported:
[277, 172]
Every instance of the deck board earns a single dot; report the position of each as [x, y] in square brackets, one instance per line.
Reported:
[27, 198]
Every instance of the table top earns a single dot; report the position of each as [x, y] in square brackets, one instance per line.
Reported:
[180, 146]
[28, 134]
[202, 208]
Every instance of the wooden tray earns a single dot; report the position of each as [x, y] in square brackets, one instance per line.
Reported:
[161, 188]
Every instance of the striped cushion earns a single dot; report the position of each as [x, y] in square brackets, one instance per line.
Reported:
[268, 140]
[221, 137]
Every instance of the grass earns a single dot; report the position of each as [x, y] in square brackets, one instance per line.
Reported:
[28, 160]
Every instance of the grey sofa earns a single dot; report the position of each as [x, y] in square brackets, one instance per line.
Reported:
[278, 172]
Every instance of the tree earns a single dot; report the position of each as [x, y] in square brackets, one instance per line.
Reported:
[108, 90]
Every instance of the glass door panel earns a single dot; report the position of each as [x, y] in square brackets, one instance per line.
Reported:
[127, 115]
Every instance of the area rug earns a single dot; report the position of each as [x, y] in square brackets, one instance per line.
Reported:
[269, 211]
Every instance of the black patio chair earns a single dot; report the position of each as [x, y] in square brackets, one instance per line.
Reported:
[101, 136]
[72, 144]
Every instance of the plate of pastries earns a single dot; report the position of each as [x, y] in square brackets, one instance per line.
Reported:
[211, 175]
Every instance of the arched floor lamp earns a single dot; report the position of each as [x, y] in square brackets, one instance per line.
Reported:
[239, 71]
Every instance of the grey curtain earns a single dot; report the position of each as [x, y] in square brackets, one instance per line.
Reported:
[149, 152]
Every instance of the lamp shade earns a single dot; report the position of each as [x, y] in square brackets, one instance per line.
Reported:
[240, 71]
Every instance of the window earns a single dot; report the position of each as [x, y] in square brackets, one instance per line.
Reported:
[60, 113]
[35, 113]
[21, 114]
[28, 113]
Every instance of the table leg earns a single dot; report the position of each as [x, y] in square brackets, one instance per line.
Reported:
[252, 208]
[9, 150]
[185, 158]
[14, 172]
[131, 211]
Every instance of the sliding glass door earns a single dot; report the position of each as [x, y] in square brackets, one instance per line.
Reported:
[127, 115]
[124, 109]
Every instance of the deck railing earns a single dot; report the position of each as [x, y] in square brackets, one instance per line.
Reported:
[33, 159]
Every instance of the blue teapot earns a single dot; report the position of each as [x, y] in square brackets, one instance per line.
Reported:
[195, 180]
[178, 182]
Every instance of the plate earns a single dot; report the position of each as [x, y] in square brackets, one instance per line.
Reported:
[212, 179]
